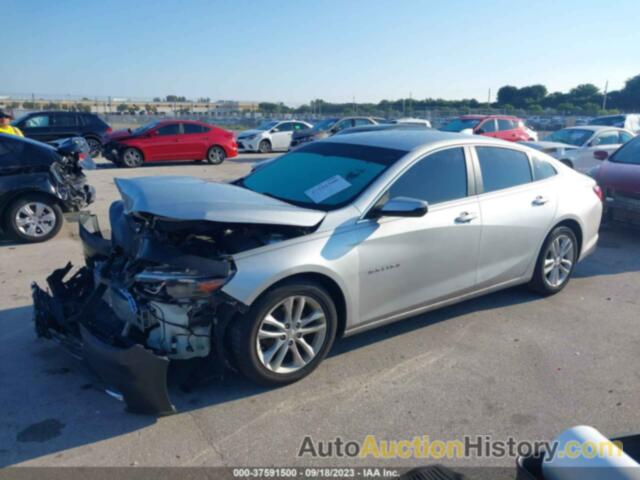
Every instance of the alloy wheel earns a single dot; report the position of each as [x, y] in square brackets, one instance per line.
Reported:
[291, 334]
[35, 219]
[132, 158]
[558, 260]
[216, 155]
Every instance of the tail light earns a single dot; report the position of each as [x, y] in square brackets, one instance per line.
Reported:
[598, 191]
[109, 130]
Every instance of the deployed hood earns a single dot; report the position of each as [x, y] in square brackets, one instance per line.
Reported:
[119, 135]
[189, 198]
[248, 133]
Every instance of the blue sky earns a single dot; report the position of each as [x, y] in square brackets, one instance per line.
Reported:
[297, 50]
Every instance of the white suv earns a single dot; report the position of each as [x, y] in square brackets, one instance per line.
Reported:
[270, 136]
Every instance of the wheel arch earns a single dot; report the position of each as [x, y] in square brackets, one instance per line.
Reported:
[15, 195]
[325, 281]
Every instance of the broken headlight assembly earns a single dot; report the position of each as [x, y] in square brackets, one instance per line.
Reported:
[177, 285]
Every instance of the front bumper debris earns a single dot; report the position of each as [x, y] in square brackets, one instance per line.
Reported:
[75, 315]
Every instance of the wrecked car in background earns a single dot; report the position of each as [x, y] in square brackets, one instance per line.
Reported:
[39, 183]
[336, 237]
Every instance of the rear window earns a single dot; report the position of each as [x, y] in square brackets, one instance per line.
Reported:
[194, 128]
[503, 168]
[322, 175]
[614, 121]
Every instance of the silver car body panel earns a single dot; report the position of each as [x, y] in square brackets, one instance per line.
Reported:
[392, 268]
[189, 198]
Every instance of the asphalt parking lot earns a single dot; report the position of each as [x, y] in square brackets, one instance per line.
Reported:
[508, 364]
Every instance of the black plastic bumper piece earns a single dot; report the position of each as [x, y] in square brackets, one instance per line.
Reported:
[132, 372]
[135, 373]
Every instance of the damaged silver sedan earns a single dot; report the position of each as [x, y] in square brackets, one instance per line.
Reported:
[334, 238]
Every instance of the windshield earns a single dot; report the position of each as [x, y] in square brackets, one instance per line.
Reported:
[324, 124]
[267, 125]
[615, 121]
[460, 124]
[145, 128]
[571, 136]
[628, 153]
[322, 175]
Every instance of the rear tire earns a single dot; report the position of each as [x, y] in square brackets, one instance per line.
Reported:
[556, 262]
[33, 218]
[264, 146]
[131, 158]
[216, 155]
[274, 349]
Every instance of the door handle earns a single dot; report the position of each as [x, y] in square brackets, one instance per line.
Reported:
[539, 200]
[466, 217]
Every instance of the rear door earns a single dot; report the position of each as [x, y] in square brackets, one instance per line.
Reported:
[194, 141]
[281, 136]
[516, 213]
[64, 125]
[165, 144]
[406, 263]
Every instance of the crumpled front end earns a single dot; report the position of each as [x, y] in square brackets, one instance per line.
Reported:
[142, 301]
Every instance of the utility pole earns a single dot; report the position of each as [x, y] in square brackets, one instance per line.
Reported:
[355, 110]
[604, 97]
[489, 99]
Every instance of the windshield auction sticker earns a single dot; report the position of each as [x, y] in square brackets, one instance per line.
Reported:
[327, 189]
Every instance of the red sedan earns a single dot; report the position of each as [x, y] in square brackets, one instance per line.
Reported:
[170, 140]
[504, 127]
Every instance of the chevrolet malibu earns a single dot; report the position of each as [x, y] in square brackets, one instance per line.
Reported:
[332, 239]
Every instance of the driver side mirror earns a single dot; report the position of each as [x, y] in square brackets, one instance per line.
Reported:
[601, 155]
[479, 131]
[152, 133]
[275, 130]
[401, 207]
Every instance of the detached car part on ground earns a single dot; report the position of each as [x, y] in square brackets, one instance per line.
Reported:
[40, 182]
[331, 239]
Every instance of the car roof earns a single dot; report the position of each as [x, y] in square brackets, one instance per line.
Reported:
[474, 116]
[594, 128]
[408, 139]
[54, 112]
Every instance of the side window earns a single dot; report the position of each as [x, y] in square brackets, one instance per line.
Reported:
[171, 129]
[542, 169]
[606, 138]
[192, 128]
[624, 137]
[64, 120]
[439, 177]
[503, 168]
[488, 127]
[343, 124]
[362, 121]
[285, 127]
[504, 124]
[37, 121]
[300, 126]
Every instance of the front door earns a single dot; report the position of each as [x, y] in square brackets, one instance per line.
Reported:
[39, 127]
[609, 141]
[281, 136]
[165, 144]
[406, 263]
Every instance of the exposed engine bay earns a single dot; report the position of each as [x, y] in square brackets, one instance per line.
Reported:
[150, 294]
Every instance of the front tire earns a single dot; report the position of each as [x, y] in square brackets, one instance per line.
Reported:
[33, 218]
[95, 146]
[132, 158]
[556, 262]
[216, 155]
[265, 146]
[285, 334]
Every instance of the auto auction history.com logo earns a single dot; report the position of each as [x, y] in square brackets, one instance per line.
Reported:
[478, 446]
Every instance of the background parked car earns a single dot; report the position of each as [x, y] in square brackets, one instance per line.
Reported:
[39, 182]
[170, 140]
[412, 121]
[270, 136]
[629, 121]
[619, 177]
[328, 127]
[48, 126]
[503, 127]
[574, 146]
